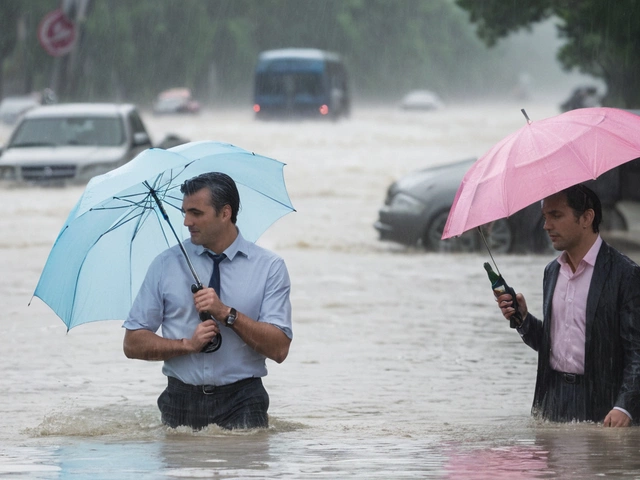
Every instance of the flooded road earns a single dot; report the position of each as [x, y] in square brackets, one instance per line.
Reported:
[401, 366]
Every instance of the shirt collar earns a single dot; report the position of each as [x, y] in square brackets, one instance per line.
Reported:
[589, 258]
[239, 245]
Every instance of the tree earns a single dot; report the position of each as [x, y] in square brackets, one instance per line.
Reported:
[9, 12]
[603, 37]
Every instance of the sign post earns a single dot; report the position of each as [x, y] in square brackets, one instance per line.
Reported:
[57, 34]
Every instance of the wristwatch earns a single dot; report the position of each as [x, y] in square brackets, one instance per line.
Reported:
[231, 318]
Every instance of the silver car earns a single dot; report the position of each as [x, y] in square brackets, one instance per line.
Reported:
[416, 208]
[72, 142]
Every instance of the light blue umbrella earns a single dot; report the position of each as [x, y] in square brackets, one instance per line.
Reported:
[117, 227]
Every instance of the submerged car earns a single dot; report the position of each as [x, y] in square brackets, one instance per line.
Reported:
[12, 108]
[175, 100]
[421, 100]
[417, 206]
[72, 142]
[582, 97]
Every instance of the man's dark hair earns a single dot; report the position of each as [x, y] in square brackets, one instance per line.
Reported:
[580, 199]
[222, 188]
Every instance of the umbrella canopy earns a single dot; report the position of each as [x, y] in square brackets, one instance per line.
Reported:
[540, 159]
[116, 228]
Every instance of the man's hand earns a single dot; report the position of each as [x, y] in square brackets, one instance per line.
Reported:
[616, 418]
[204, 333]
[505, 302]
[206, 300]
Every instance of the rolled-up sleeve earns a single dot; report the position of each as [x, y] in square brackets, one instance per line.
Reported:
[276, 305]
[147, 309]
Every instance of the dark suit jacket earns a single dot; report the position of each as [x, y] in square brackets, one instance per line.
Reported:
[612, 344]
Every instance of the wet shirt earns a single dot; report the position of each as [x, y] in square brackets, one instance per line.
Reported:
[253, 280]
[569, 312]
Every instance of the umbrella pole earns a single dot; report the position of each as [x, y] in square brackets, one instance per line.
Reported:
[486, 244]
[216, 342]
[166, 217]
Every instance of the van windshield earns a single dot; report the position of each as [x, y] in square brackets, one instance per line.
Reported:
[287, 83]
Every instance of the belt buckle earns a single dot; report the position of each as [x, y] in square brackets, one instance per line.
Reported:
[208, 389]
[570, 377]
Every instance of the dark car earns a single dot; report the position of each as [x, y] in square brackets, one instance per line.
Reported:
[582, 97]
[416, 208]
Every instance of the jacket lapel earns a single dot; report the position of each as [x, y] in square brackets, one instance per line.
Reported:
[549, 287]
[600, 274]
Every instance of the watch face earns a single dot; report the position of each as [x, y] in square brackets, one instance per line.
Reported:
[231, 318]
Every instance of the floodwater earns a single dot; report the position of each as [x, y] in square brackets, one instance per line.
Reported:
[401, 366]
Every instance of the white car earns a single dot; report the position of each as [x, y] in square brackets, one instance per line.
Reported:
[421, 100]
[72, 142]
[11, 108]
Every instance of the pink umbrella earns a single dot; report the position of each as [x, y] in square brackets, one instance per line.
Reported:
[543, 158]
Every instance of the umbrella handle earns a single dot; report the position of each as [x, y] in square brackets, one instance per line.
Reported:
[216, 342]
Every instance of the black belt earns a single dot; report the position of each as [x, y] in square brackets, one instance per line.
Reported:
[209, 389]
[570, 378]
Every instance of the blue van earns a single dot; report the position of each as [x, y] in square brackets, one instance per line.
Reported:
[300, 82]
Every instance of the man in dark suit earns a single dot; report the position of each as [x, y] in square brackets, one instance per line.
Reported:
[589, 342]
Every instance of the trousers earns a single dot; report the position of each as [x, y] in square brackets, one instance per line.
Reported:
[564, 400]
[242, 404]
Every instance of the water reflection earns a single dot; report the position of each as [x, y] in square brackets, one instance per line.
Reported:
[556, 451]
[588, 451]
[214, 452]
[504, 462]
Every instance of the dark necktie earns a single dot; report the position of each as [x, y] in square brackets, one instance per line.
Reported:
[214, 283]
[215, 275]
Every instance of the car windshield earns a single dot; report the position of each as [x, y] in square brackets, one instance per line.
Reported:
[59, 131]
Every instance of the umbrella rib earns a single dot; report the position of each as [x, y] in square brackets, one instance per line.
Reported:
[269, 197]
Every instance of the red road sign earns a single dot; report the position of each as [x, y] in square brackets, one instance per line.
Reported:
[56, 33]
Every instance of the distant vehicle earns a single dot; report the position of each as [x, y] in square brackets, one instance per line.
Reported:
[582, 97]
[12, 108]
[421, 100]
[299, 82]
[175, 100]
[72, 142]
[417, 206]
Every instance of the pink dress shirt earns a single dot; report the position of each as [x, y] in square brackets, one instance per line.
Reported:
[569, 312]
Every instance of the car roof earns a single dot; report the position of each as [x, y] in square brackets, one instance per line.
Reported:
[80, 109]
[174, 93]
[301, 53]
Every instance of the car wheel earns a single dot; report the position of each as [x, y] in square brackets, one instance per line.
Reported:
[498, 235]
[432, 238]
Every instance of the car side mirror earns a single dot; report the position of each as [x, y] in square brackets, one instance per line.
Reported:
[141, 138]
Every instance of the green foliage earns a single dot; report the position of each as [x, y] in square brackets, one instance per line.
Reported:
[17, 59]
[602, 37]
